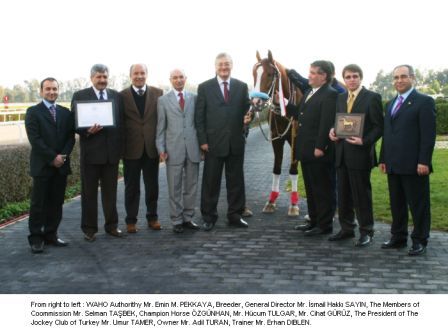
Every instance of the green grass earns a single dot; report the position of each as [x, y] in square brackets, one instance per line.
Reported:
[438, 186]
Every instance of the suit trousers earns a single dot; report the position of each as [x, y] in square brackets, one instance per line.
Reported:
[318, 180]
[412, 191]
[47, 198]
[133, 169]
[355, 195]
[106, 176]
[211, 186]
[182, 187]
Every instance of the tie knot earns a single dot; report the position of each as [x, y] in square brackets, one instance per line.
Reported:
[352, 95]
[180, 95]
[140, 91]
[52, 107]
[225, 83]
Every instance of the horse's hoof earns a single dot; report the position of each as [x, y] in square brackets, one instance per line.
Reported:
[269, 207]
[293, 211]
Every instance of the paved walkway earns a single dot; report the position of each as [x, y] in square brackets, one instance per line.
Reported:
[268, 257]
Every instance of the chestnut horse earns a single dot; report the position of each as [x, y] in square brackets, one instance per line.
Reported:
[267, 77]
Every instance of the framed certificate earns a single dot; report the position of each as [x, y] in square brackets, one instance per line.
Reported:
[349, 124]
[89, 113]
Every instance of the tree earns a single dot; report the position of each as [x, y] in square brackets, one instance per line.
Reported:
[383, 85]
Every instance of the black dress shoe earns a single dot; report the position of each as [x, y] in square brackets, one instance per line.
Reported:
[190, 225]
[394, 244]
[238, 223]
[89, 237]
[178, 229]
[37, 247]
[364, 240]
[115, 232]
[56, 242]
[341, 235]
[304, 227]
[317, 231]
[207, 226]
[417, 249]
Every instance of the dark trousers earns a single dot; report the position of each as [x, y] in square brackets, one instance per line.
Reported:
[355, 195]
[92, 176]
[47, 198]
[211, 186]
[318, 180]
[412, 191]
[132, 174]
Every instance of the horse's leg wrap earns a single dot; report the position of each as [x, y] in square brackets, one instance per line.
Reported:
[273, 196]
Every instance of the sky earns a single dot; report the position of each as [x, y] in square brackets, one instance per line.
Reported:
[64, 38]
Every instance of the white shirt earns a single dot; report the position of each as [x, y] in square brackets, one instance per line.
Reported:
[136, 89]
[97, 92]
[221, 85]
[176, 92]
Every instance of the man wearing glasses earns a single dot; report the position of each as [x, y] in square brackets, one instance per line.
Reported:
[406, 153]
[355, 158]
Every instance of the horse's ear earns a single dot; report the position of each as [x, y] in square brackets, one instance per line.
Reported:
[258, 56]
[270, 58]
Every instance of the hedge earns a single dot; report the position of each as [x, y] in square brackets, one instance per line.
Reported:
[15, 182]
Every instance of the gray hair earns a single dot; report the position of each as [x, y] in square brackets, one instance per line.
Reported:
[98, 68]
[177, 69]
[410, 69]
[223, 55]
[143, 65]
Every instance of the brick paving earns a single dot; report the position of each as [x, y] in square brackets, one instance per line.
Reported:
[268, 257]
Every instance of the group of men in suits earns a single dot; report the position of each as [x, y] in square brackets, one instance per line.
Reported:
[408, 131]
[178, 127]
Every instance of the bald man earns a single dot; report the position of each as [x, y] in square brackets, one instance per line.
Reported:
[140, 154]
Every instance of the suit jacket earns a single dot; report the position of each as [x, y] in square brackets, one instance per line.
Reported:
[49, 138]
[176, 132]
[361, 157]
[409, 137]
[315, 119]
[106, 146]
[220, 124]
[140, 132]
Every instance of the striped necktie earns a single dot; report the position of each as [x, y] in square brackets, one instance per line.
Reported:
[52, 109]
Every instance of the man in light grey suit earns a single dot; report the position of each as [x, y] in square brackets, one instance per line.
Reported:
[178, 146]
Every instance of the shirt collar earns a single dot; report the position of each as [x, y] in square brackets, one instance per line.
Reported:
[97, 92]
[137, 88]
[48, 104]
[355, 92]
[220, 81]
[406, 94]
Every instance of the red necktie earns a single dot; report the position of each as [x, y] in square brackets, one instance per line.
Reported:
[181, 101]
[226, 91]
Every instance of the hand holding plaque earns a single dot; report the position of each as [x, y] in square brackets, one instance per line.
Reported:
[349, 125]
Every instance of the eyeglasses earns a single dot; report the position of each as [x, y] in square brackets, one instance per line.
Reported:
[402, 77]
[355, 76]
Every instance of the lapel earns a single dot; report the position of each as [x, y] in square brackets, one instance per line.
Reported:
[46, 113]
[217, 89]
[406, 104]
[150, 96]
[128, 95]
[189, 105]
[358, 100]
[172, 98]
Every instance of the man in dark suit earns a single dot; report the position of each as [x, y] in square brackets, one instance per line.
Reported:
[406, 154]
[50, 130]
[221, 108]
[314, 149]
[355, 158]
[101, 150]
[140, 153]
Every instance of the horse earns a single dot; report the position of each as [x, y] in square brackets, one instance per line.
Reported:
[270, 78]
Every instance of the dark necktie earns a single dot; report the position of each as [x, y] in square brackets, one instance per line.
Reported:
[181, 101]
[140, 92]
[397, 107]
[226, 91]
[52, 109]
[101, 95]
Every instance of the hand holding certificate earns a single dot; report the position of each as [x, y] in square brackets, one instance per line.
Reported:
[95, 115]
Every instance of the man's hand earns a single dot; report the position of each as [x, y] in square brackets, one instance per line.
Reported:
[382, 167]
[333, 136]
[248, 118]
[422, 169]
[58, 161]
[94, 129]
[354, 140]
[163, 156]
[204, 147]
[318, 153]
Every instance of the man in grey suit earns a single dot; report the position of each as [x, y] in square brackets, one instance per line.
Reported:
[178, 146]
